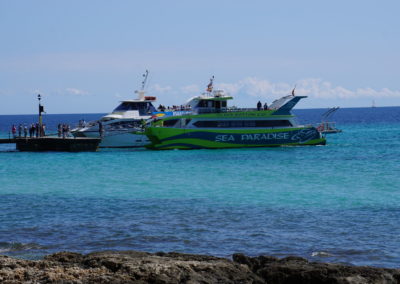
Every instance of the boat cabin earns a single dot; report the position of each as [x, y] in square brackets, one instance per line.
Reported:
[209, 103]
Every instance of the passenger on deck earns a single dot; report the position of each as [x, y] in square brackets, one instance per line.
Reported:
[265, 106]
[259, 105]
[101, 129]
[25, 131]
[142, 124]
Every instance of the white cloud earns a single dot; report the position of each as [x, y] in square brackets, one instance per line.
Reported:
[312, 87]
[262, 89]
[191, 89]
[255, 87]
[156, 88]
[77, 92]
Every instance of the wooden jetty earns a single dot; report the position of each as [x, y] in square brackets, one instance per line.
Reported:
[37, 144]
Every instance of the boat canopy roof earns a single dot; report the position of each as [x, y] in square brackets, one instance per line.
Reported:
[141, 98]
[137, 101]
[284, 105]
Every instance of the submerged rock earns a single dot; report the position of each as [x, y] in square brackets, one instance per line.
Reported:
[142, 267]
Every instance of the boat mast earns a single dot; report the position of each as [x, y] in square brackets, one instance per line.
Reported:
[141, 92]
[145, 75]
[210, 86]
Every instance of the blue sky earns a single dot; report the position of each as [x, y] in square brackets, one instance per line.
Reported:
[85, 56]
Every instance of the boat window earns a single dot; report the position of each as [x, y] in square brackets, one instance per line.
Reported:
[170, 122]
[241, 123]
[272, 123]
[146, 108]
[202, 103]
[206, 123]
[211, 103]
[125, 106]
[151, 107]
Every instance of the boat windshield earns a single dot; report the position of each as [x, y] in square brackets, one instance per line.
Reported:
[142, 107]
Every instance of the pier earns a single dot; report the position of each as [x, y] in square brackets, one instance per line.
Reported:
[42, 144]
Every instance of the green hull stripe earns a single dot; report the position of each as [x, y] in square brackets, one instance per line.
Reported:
[180, 138]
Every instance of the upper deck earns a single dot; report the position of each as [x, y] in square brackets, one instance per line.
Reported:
[217, 102]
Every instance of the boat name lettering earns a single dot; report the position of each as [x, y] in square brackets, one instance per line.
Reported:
[224, 138]
[265, 136]
[252, 137]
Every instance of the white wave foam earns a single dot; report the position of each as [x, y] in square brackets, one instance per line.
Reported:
[321, 254]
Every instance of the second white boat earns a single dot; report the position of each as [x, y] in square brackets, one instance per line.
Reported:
[122, 128]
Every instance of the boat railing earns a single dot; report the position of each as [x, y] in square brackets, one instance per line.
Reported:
[230, 109]
[328, 127]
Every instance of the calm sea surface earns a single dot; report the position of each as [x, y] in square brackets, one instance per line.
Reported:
[335, 203]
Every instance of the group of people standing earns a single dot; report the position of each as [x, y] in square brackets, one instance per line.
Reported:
[63, 130]
[35, 130]
[260, 106]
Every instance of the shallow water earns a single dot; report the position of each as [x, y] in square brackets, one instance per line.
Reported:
[336, 203]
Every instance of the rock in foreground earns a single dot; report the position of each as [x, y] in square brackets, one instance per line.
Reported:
[141, 267]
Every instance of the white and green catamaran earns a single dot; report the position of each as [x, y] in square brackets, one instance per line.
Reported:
[212, 124]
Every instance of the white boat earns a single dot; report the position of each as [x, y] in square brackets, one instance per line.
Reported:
[122, 128]
[326, 126]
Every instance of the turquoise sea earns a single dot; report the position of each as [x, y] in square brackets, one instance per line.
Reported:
[336, 203]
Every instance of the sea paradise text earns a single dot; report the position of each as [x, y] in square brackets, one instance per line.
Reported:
[252, 137]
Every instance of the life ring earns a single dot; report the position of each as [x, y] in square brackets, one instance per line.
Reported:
[320, 128]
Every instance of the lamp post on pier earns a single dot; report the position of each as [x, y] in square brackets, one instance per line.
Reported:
[41, 109]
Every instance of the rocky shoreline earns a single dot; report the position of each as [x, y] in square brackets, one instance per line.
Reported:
[142, 267]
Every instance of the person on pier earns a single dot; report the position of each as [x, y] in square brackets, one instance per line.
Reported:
[37, 129]
[20, 130]
[59, 130]
[14, 131]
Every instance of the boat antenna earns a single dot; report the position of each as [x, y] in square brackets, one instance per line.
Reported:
[145, 75]
[210, 85]
[330, 112]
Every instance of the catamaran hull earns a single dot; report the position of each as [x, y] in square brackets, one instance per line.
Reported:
[117, 140]
[163, 138]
